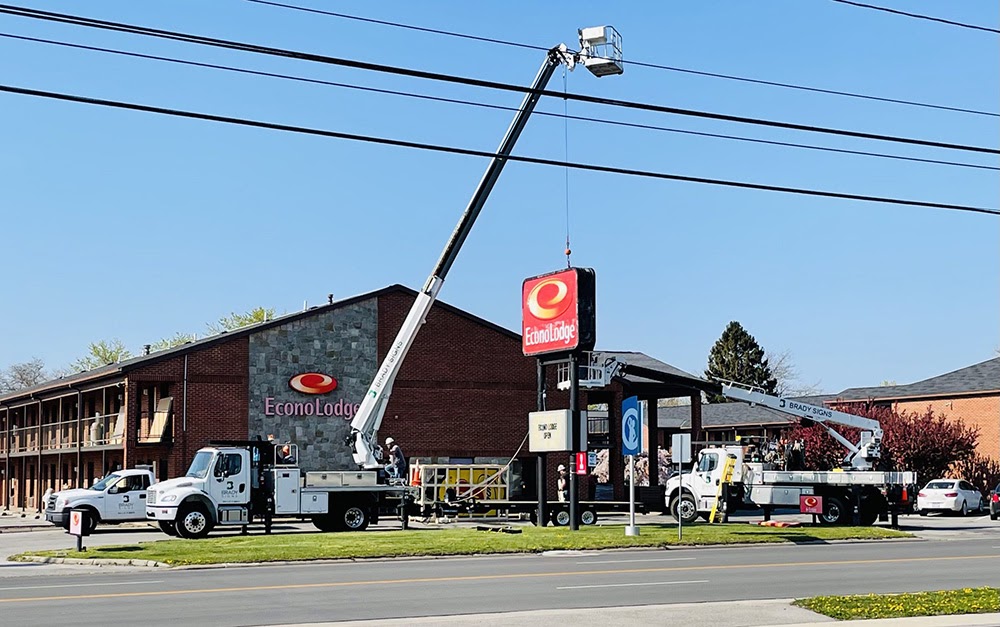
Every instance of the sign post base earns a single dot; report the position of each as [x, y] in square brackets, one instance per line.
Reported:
[631, 530]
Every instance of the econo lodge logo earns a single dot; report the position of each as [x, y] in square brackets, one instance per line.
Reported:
[313, 383]
[548, 299]
[549, 313]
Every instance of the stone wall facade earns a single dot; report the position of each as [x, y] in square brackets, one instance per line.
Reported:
[340, 343]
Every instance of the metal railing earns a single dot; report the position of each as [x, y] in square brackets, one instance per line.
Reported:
[95, 431]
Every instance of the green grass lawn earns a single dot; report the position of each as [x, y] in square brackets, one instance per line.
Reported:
[455, 541]
[964, 601]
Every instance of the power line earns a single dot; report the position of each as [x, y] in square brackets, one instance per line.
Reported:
[657, 66]
[915, 15]
[363, 65]
[481, 153]
[484, 105]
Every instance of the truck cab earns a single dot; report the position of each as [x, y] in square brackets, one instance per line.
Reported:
[217, 489]
[118, 497]
[696, 490]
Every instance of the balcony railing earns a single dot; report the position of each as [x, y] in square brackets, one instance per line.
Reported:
[96, 431]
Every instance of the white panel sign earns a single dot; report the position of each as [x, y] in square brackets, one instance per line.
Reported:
[549, 431]
[680, 447]
[75, 522]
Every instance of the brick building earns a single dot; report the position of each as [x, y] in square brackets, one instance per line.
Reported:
[463, 393]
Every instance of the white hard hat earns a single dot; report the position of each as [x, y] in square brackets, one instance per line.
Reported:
[561, 467]
[389, 440]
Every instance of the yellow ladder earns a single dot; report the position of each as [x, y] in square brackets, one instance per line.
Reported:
[727, 478]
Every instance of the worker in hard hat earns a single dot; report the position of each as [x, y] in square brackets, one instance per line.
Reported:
[562, 483]
[397, 466]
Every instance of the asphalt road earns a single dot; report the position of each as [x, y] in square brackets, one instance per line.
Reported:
[433, 587]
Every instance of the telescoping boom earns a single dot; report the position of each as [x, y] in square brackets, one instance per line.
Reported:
[600, 52]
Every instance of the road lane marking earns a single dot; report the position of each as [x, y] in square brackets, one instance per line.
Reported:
[377, 582]
[623, 585]
[82, 585]
[658, 559]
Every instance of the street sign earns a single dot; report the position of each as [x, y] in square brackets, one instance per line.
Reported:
[581, 463]
[631, 427]
[76, 522]
[680, 448]
[592, 458]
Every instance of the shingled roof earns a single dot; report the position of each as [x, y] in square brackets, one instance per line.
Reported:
[983, 377]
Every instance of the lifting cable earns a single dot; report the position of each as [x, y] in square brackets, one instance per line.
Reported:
[566, 157]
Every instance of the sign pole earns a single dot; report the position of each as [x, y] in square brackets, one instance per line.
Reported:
[680, 482]
[632, 529]
[631, 444]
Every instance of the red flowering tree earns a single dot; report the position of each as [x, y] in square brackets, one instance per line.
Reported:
[929, 444]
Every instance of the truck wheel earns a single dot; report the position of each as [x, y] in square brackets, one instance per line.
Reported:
[168, 527]
[588, 517]
[353, 518]
[560, 518]
[834, 512]
[684, 508]
[193, 522]
[90, 521]
[325, 523]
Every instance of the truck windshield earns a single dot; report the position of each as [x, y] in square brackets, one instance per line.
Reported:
[199, 465]
[102, 485]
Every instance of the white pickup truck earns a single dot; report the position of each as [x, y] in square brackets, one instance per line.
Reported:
[118, 497]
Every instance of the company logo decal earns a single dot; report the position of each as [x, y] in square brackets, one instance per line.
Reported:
[313, 383]
[548, 299]
[810, 501]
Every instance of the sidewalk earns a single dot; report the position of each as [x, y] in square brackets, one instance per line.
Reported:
[22, 520]
[775, 612]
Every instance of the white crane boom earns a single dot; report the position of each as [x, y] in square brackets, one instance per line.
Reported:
[601, 54]
[862, 454]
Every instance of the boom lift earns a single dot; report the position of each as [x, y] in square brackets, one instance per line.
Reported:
[856, 493]
[600, 52]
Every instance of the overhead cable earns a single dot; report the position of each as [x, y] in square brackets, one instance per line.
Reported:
[363, 65]
[918, 16]
[486, 105]
[657, 66]
[482, 153]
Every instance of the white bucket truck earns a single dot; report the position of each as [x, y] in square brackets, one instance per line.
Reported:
[240, 483]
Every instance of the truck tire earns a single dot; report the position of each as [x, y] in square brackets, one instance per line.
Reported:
[354, 517]
[834, 512]
[560, 517]
[688, 508]
[325, 523]
[168, 527]
[193, 522]
[588, 517]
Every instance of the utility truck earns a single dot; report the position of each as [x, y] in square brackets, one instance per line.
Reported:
[118, 497]
[239, 483]
[722, 480]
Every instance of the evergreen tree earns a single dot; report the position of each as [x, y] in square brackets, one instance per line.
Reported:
[736, 356]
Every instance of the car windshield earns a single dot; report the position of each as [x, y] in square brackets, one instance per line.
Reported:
[940, 485]
[200, 465]
[102, 485]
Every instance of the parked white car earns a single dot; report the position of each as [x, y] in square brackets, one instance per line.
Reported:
[950, 495]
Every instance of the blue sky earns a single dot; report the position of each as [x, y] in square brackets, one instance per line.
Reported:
[137, 226]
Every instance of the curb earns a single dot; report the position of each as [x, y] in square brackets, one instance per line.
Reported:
[91, 562]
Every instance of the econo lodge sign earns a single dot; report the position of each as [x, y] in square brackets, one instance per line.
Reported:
[557, 312]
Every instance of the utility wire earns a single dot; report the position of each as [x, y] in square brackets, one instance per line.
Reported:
[481, 153]
[656, 66]
[485, 105]
[363, 65]
[915, 15]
